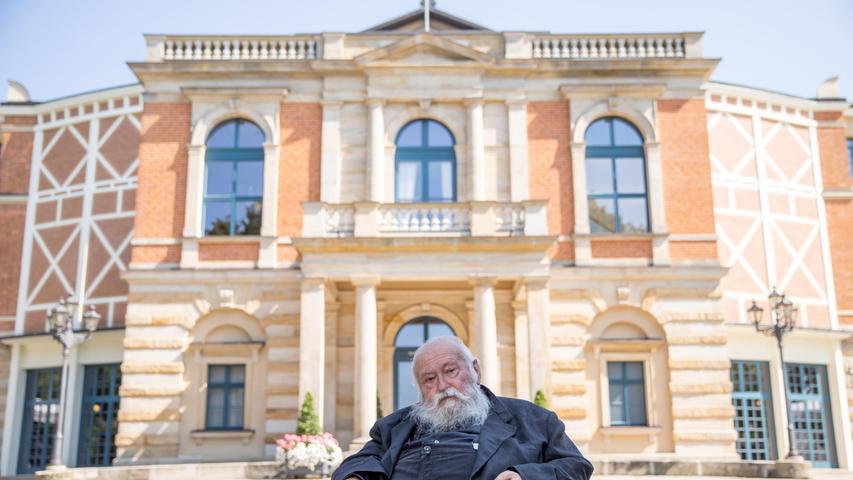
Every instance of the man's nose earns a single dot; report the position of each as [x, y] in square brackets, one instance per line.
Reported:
[442, 384]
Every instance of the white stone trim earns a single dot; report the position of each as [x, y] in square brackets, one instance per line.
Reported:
[376, 150]
[477, 149]
[12, 199]
[331, 154]
[519, 164]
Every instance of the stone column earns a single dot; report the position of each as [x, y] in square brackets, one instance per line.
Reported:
[366, 357]
[477, 149]
[660, 243]
[522, 352]
[376, 151]
[312, 342]
[538, 317]
[486, 331]
[330, 152]
[518, 164]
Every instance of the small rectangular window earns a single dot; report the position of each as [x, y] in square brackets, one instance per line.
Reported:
[850, 155]
[225, 397]
[627, 393]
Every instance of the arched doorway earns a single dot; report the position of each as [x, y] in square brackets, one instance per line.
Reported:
[411, 336]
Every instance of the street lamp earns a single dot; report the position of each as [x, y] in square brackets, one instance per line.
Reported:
[61, 320]
[783, 316]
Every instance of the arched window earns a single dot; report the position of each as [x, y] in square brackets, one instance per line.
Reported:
[411, 336]
[234, 179]
[616, 177]
[426, 163]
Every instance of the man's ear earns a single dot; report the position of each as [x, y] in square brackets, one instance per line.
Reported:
[476, 366]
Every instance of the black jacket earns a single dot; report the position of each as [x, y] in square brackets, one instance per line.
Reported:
[517, 435]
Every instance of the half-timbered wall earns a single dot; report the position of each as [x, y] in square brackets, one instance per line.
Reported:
[81, 206]
[768, 204]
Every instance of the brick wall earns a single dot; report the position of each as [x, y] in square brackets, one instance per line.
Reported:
[550, 161]
[299, 177]
[688, 197]
[832, 146]
[161, 191]
[16, 156]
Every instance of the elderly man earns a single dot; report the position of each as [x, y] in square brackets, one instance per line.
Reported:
[459, 430]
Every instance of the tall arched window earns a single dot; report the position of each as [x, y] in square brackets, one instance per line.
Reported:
[413, 334]
[234, 179]
[426, 163]
[616, 177]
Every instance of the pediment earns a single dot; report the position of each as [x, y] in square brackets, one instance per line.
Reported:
[424, 49]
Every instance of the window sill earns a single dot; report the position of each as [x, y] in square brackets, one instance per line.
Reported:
[630, 431]
[619, 237]
[229, 239]
[838, 194]
[199, 436]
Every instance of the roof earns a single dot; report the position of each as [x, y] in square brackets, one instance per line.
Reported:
[438, 19]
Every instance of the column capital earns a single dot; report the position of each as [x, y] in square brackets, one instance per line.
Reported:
[536, 281]
[313, 283]
[473, 101]
[516, 102]
[482, 280]
[364, 280]
[331, 102]
[375, 101]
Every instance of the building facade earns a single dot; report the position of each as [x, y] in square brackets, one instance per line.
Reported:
[263, 217]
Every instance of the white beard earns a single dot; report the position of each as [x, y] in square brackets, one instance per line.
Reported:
[469, 409]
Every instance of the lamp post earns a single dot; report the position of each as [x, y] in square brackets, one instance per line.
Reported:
[61, 320]
[783, 316]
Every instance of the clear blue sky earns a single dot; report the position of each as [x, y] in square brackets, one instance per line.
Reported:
[63, 47]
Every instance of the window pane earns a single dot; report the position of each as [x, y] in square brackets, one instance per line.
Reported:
[407, 394]
[217, 218]
[438, 329]
[410, 136]
[614, 370]
[249, 135]
[411, 335]
[409, 182]
[636, 404]
[598, 134]
[617, 404]
[632, 215]
[235, 412]
[215, 398]
[599, 176]
[625, 134]
[222, 136]
[215, 417]
[250, 178]
[633, 370]
[237, 374]
[602, 216]
[248, 218]
[217, 374]
[438, 135]
[219, 180]
[630, 175]
[440, 178]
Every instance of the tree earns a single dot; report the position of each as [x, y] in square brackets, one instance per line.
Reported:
[308, 422]
[540, 399]
[378, 406]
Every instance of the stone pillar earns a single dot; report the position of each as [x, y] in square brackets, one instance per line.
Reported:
[330, 153]
[366, 357]
[477, 149]
[312, 342]
[583, 249]
[538, 317]
[660, 243]
[486, 331]
[376, 151]
[522, 352]
[518, 164]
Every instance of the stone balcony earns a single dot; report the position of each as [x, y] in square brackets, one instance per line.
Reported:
[469, 219]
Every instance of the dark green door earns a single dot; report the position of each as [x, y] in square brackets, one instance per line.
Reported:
[98, 419]
[41, 408]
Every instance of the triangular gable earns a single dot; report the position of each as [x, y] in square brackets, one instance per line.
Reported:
[424, 42]
[438, 20]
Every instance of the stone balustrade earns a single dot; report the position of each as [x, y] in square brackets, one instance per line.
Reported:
[247, 47]
[369, 219]
[598, 47]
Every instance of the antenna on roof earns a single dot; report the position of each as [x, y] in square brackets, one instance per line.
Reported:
[427, 7]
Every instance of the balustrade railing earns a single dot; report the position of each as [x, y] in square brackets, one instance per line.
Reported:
[370, 219]
[403, 218]
[169, 48]
[614, 46]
